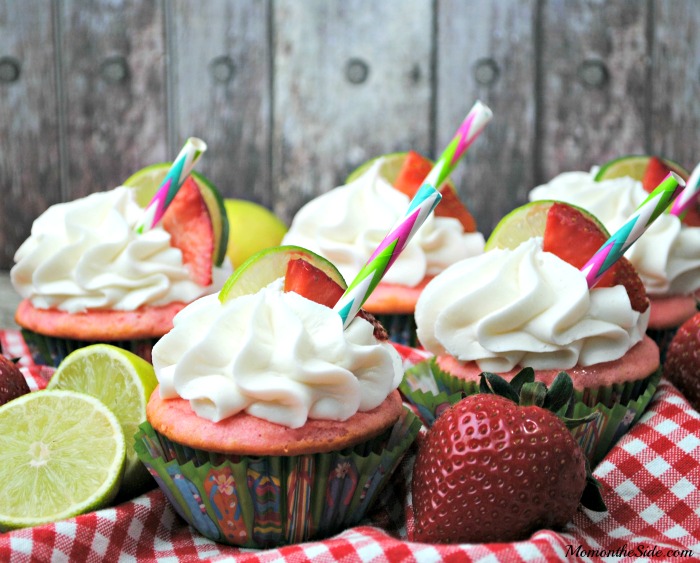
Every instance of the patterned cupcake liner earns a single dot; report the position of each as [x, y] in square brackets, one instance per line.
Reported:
[431, 391]
[268, 501]
[51, 351]
[401, 328]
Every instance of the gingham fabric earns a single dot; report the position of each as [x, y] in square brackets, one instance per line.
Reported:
[651, 485]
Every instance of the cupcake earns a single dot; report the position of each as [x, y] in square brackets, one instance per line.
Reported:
[346, 224]
[271, 424]
[86, 276]
[510, 309]
[667, 257]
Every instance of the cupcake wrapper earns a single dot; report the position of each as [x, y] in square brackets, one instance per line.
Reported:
[431, 391]
[401, 328]
[51, 351]
[267, 501]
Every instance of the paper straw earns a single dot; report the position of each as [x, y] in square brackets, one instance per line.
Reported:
[689, 195]
[420, 207]
[176, 176]
[653, 206]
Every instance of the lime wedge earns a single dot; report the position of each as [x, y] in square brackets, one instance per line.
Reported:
[634, 167]
[389, 171]
[121, 380]
[147, 180]
[526, 222]
[252, 228]
[269, 265]
[62, 455]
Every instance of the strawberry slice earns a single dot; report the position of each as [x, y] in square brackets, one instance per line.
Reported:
[413, 171]
[654, 173]
[575, 237]
[189, 224]
[310, 282]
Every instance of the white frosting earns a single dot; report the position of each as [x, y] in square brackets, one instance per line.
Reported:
[666, 256]
[85, 254]
[276, 356]
[525, 307]
[346, 225]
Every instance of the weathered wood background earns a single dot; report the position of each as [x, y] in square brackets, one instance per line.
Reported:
[290, 95]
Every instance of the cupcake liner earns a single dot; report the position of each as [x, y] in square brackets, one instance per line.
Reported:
[267, 501]
[401, 328]
[51, 351]
[431, 390]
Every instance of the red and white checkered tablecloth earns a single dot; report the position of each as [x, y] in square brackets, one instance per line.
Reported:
[651, 485]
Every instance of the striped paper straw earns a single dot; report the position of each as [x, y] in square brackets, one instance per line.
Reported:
[653, 206]
[419, 209]
[689, 195]
[176, 176]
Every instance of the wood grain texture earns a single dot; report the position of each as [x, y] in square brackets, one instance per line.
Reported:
[221, 65]
[486, 50]
[29, 129]
[674, 84]
[326, 119]
[115, 123]
[583, 123]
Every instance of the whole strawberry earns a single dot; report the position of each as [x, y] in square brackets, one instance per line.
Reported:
[682, 364]
[491, 470]
[12, 382]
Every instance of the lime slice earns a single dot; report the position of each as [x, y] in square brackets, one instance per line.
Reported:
[121, 380]
[389, 170]
[524, 223]
[62, 455]
[634, 167]
[147, 180]
[269, 265]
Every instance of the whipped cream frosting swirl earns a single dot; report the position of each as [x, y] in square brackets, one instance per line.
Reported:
[346, 225]
[667, 256]
[85, 254]
[525, 307]
[276, 356]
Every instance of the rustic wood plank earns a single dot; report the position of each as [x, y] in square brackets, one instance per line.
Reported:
[29, 129]
[674, 85]
[113, 79]
[352, 81]
[486, 50]
[221, 66]
[594, 82]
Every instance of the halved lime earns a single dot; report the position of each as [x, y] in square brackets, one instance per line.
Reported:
[634, 167]
[270, 264]
[121, 380]
[526, 222]
[62, 455]
[147, 181]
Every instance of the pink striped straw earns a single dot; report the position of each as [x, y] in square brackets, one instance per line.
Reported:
[176, 176]
[613, 249]
[418, 211]
[689, 195]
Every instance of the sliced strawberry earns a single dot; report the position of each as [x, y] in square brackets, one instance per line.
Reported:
[654, 173]
[413, 171]
[189, 224]
[575, 238]
[312, 283]
[451, 206]
[309, 281]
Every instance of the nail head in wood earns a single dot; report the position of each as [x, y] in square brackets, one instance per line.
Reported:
[9, 69]
[356, 71]
[486, 71]
[114, 69]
